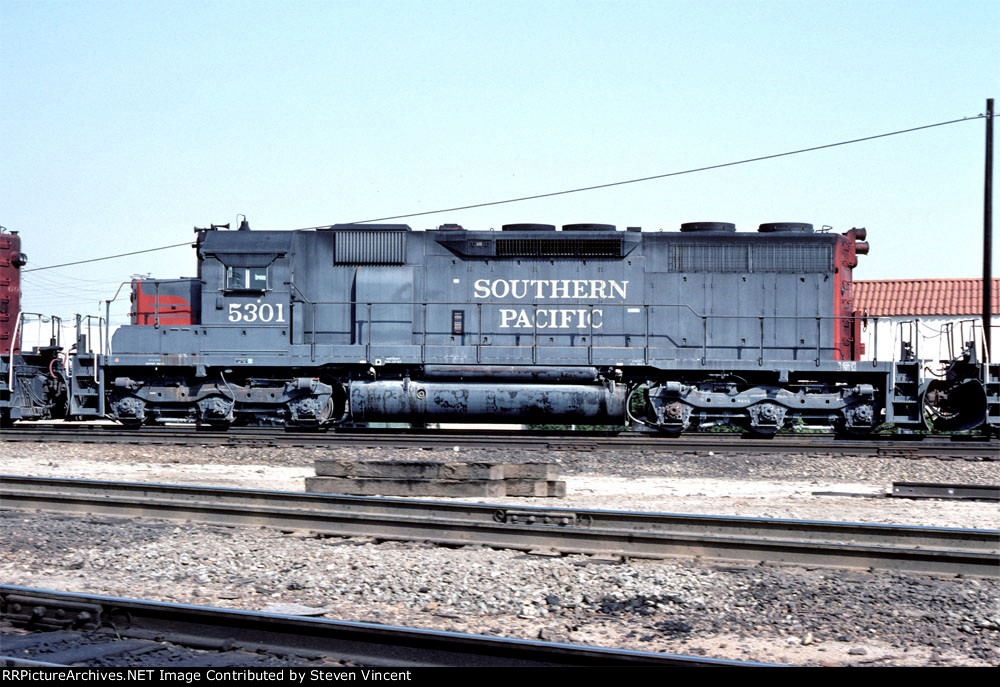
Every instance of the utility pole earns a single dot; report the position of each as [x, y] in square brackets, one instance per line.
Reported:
[988, 233]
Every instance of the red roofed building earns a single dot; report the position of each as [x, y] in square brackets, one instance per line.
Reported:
[936, 316]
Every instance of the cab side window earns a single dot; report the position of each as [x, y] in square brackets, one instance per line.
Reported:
[246, 278]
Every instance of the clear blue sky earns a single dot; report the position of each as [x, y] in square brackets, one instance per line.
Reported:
[125, 124]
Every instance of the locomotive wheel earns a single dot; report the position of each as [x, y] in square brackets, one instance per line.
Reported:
[842, 431]
[328, 414]
[215, 413]
[323, 421]
[866, 418]
[329, 418]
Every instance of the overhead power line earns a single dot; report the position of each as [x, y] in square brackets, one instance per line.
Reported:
[572, 190]
[668, 174]
[108, 257]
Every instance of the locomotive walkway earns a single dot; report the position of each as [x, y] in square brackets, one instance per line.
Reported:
[177, 635]
[544, 530]
[959, 448]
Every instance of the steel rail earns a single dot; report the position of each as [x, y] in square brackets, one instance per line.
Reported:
[721, 442]
[931, 490]
[565, 530]
[364, 644]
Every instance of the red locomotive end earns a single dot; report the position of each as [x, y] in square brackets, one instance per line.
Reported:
[11, 261]
[846, 338]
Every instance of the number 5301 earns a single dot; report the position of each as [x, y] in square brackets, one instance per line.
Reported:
[254, 312]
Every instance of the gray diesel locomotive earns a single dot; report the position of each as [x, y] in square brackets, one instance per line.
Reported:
[587, 325]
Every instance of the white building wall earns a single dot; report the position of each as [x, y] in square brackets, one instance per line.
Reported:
[933, 337]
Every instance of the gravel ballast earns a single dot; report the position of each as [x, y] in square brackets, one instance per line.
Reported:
[770, 614]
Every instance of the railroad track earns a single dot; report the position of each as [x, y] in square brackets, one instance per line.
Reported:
[556, 530]
[80, 630]
[960, 448]
[928, 490]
